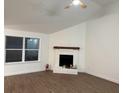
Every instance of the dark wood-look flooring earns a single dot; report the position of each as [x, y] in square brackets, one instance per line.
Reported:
[47, 82]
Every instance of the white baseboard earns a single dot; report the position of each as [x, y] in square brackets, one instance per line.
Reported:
[19, 73]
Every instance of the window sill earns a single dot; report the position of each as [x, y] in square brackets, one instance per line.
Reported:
[25, 62]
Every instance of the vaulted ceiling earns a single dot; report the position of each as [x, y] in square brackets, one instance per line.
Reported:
[48, 16]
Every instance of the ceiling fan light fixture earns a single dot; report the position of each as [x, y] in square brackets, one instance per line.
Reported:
[76, 2]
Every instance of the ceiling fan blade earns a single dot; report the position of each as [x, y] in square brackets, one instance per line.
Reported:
[68, 6]
[83, 5]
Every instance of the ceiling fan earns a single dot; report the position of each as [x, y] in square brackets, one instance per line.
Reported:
[76, 3]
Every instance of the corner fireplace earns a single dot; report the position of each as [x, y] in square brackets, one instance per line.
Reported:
[66, 61]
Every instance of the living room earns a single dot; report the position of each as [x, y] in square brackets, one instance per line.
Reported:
[63, 45]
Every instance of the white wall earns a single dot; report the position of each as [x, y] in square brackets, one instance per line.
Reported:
[73, 36]
[19, 68]
[102, 46]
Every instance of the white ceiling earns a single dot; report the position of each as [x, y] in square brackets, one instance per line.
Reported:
[104, 2]
[48, 16]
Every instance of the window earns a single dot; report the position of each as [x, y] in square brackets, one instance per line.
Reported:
[31, 55]
[14, 47]
[31, 49]
[13, 55]
[14, 42]
[21, 49]
[31, 43]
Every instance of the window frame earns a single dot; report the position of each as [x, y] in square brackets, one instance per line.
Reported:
[23, 51]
